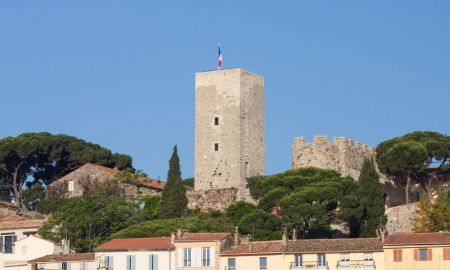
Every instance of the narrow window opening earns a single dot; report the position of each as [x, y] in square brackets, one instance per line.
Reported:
[216, 147]
[216, 121]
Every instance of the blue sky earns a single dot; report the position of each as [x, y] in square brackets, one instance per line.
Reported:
[121, 73]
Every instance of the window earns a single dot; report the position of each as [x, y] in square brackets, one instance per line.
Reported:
[131, 262]
[368, 259]
[153, 262]
[262, 263]
[216, 121]
[345, 260]
[108, 262]
[446, 252]
[422, 254]
[7, 243]
[321, 260]
[65, 266]
[231, 263]
[206, 256]
[70, 187]
[186, 257]
[397, 255]
[84, 266]
[216, 147]
[298, 260]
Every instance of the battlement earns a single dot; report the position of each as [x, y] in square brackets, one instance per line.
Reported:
[341, 154]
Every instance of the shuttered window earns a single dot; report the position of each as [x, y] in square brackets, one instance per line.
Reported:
[423, 254]
[446, 252]
[131, 262]
[397, 255]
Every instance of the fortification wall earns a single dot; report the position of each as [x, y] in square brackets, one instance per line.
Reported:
[343, 155]
[211, 199]
[399, 218]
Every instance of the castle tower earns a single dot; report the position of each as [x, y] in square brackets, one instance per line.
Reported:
[229, 129]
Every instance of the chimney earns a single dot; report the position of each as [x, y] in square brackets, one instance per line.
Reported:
[172, 238]
[294, 235]
[236, 236]
[284, 239]
[65, 246]
[250, 246]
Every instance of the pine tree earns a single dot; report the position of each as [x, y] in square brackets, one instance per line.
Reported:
[173, 197]
[371, 196]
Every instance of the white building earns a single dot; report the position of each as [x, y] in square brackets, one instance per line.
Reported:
[152, 253]
[18, 243]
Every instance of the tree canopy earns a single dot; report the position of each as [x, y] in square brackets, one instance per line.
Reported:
[410, 157]
[43, 157]
[433, 216]
[308, 199]
[173, 197]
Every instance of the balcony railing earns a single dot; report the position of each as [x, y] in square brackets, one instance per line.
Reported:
[356, 264]
[310, 265]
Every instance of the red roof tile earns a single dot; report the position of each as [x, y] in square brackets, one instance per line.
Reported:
[417, 239]
[255, 248]
[72, 257]
[149, 243]
[335, 245]
[186, 237]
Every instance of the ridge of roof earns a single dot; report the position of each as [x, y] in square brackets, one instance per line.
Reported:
[417, 238]
[150, 243]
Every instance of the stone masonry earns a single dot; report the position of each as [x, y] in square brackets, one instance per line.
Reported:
[343, 155]
[229, 130]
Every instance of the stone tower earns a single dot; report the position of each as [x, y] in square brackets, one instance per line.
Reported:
[229, 129]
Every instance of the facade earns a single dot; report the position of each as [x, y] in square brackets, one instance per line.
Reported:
[75, 183]
[26, 249]
[266, 255]
[200, 251]
[334, 254]
[329, 254]
[419, 251]
[229, 130]
[73, 261]
[152, 253]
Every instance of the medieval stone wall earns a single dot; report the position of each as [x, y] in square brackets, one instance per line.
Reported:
[399, 218]
[212, 199]
[343, 155]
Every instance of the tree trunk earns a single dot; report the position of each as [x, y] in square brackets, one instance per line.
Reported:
[408, 184]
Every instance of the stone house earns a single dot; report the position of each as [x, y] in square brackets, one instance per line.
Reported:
[87, 177]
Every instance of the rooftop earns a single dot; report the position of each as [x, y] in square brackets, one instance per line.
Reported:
[255, 248]
[417, 238]
[19, 222]
[72, 257]
[335, 245]
[147, 243]
[187, 236]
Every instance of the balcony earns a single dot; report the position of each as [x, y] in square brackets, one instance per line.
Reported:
[310, 265]
[356, 264]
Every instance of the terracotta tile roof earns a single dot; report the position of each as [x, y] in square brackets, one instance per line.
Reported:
[72, 257]
[18, 222]
[148, 243]
[418, 238]
[186, 237]
[335, 245]
[255, 248]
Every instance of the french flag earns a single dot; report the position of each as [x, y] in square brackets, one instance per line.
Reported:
[219, 63]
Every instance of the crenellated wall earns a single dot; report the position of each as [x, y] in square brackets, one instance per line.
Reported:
[343, 155]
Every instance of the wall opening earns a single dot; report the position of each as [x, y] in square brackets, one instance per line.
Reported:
[216, 121]
[216, 147]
